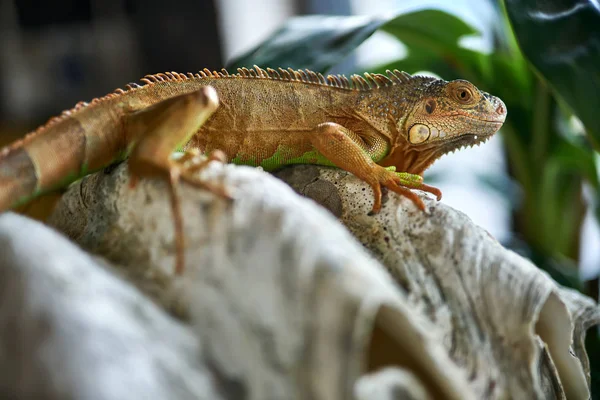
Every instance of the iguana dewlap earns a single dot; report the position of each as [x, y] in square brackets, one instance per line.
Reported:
[258, 117]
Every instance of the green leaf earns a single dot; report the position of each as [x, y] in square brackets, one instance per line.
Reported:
[318, 42]
[432, 39]
[429, 28]
[315, 42]
[561, 38]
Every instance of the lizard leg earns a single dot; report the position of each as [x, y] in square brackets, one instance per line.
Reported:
[193, 161]
[350, 152]
[156, 133]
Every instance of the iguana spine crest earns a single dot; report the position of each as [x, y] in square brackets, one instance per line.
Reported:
[356, 82]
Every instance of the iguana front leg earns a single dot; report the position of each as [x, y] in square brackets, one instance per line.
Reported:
[156, 133]
[350, 152]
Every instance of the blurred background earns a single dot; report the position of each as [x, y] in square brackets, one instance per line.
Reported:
[54, 54]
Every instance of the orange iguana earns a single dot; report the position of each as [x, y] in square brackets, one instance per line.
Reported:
[385, 129]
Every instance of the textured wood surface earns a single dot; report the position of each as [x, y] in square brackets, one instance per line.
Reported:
[286, 303]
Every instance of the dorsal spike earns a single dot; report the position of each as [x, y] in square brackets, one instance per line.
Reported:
[345, 81]
[331, 80]
[261, 72]
[298, 76]
[292, 74]
[316, 77]
[321, 78]
[382, 80]
[403, 76]
[273, 73]
[286, 74]
[252, 73]
[224, 71]
[311, 76]
[371, 82]
[362, 83]
[392, 76]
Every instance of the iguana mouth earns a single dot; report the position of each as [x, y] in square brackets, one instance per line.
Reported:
[466, 140]
[499, 121]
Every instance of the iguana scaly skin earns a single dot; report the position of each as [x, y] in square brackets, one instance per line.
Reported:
[257, 117]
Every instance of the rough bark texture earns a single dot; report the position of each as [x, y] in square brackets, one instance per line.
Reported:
[73, 330]
[285, 302]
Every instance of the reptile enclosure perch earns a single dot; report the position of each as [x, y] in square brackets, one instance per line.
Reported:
[278, 300]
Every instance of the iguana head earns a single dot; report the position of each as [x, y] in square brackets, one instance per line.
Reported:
[440, 117]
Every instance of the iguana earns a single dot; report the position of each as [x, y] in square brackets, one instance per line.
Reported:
[385, 129]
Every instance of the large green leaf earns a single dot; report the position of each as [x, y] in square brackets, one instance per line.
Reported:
[561, 38]
[432, 39]
[318, 42]
[315, 42]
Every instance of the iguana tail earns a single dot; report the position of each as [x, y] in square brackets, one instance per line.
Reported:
[40, 162]
[56, 154]
[18, 176]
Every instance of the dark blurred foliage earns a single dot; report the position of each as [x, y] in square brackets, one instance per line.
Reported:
[56, 53]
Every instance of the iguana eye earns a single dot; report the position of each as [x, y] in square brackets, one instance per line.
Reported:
[463, 95]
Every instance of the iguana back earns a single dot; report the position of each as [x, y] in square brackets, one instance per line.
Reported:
[266, 117]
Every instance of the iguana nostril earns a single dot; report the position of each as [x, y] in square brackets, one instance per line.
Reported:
[500, 109]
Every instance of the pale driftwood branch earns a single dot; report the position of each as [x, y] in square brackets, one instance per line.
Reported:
[288, 306]
[281, 295]
[72, 330]
[490, 306]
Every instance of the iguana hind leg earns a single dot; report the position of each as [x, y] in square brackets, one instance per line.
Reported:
[157, 132]
[353, 153]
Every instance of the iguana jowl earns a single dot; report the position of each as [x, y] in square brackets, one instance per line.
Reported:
[260, 117]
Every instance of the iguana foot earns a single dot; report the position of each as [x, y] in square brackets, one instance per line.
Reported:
[187, 168]
[192, 162]
[401, 183]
